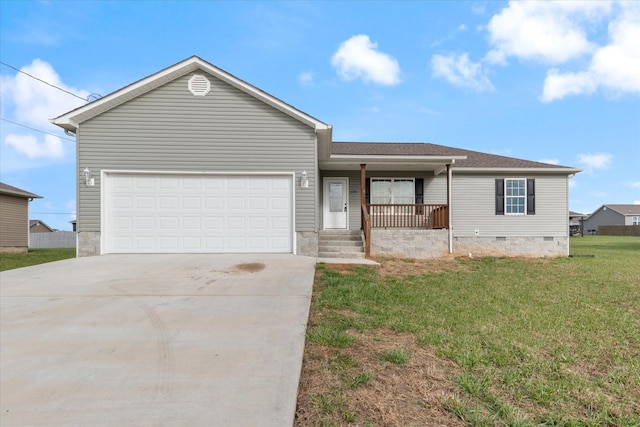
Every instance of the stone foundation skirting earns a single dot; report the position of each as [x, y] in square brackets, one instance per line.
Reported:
[409, 243]
[424, 244]
[88, 243]
[307, 243]
[537, 247]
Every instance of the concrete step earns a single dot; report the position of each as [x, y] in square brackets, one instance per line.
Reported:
[340, 244]
[340, 255]
[329, 242]
[340, 249]
[342, 237]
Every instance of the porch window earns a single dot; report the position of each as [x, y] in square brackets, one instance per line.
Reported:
[390, 191]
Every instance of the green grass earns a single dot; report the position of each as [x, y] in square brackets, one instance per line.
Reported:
[538, 342]
[34, 257]
[398, 356]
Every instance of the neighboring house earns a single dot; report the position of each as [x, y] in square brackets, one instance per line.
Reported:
[612, 215]
[37, 226]
[14, 218]
[193, 159]
[575, 222]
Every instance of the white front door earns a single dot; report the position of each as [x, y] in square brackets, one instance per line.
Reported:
[336, 202]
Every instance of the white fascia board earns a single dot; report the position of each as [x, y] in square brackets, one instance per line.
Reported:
[395, 159]
[554, 171]
[68, 120]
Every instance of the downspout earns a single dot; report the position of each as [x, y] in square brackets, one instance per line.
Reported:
[449, 179]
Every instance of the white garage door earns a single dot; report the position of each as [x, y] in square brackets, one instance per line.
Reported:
[197, 213]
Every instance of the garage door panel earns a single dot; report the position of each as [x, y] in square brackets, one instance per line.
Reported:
[207, 213]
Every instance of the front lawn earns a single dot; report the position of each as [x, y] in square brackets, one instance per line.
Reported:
[33, 257]
[483, 342]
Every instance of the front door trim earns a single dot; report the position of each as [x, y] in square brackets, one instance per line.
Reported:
[326, 203]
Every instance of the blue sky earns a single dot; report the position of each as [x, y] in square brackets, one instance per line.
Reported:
[549, 81]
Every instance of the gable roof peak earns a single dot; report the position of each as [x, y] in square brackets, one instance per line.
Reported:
[72, 119]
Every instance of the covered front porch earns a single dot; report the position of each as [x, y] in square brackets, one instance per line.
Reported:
[402, 204]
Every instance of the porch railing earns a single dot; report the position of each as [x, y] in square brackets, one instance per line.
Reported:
[366, 229]
[402, 216]
[408, 216]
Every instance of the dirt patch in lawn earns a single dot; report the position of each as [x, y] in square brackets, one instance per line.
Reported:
[402, 267]
[357, 386]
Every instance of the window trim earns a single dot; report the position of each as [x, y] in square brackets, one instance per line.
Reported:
[507, 197]
[413, 193]
[501, 197]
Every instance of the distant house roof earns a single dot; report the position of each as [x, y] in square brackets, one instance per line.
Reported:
[573, 214]
[15, 191]
[626, 210]
[34, 222]
[464, 159]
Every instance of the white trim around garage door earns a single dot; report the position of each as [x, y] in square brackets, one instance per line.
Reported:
[105, 174]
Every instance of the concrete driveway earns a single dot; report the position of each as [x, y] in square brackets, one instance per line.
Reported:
[154, 340]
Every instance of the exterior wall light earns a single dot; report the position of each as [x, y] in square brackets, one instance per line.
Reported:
[304, 182]
[89, 182]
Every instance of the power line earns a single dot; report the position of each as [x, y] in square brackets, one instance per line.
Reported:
[37, 130]
[52, 213]
[47, 83]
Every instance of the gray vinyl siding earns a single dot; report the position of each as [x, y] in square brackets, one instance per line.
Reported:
[14, 221]
[474, 208]
[603, 217]
[169, 129]
[435, 189]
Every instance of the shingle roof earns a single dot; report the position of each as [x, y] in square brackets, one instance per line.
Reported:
[15, 191]
[625, 209]
[34, 222]
[475, 159]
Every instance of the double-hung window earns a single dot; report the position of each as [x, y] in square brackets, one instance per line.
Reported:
[392, 191]
[635, 220]
[515, 196]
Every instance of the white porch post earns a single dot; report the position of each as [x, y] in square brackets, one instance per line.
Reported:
[450, 227]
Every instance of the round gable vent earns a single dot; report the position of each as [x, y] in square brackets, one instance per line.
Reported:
[199, 85]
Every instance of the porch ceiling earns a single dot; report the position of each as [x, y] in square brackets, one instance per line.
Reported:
[436, 164]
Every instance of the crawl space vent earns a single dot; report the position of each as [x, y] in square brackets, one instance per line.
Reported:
[199, 85]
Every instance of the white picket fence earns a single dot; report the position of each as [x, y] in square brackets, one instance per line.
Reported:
[57, 239]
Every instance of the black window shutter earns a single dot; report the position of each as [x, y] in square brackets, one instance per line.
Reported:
[419, 190]
[499, 196]
[368, 190]
[531, 196]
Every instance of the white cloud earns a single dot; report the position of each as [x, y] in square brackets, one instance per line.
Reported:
[632, 184]
[33, 102]
[29, 145]
[595, 161]
[558, 85]
[460, 71]
[305, 78]
[615, 67]
[550, 161]
[636, 202]
[572, 183]
[462, 27]
[358, 57]
[546, 31]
